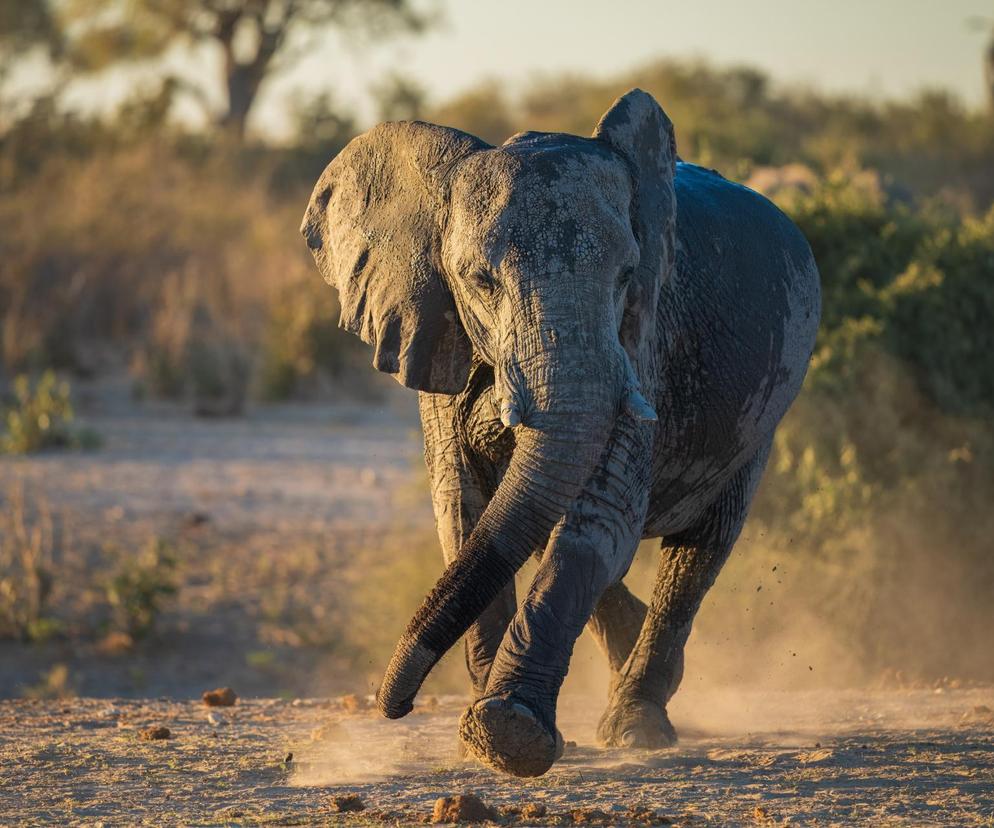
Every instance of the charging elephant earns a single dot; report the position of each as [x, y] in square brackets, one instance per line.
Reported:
[604, 339]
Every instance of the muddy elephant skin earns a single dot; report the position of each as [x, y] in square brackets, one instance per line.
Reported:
[604, 339]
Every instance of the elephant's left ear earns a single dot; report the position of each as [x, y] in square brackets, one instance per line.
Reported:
[640, 132]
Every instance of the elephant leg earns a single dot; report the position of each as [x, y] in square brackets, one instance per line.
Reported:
[689, 564]
[616, 624]
[513, 726]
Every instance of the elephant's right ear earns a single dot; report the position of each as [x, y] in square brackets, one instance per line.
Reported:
[374, 226]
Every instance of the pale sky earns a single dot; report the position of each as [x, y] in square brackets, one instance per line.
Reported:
[880, 48]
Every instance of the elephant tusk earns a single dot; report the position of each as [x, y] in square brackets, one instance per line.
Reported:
[632, 400]
[638, 407]
[509, 414]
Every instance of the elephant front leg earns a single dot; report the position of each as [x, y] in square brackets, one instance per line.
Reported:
[513, 726]
[688, 566]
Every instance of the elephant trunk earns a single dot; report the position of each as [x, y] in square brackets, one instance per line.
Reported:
[557, 450]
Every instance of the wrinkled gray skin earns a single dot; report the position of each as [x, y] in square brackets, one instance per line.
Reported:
[548, 298]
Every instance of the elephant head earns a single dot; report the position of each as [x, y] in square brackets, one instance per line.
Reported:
[544, 257]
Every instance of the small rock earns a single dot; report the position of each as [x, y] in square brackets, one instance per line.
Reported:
[195, 519]
[347, 803]
[982, 710]
[221, 697]
[155, 733]
[534, 810]
[647, 816]
[462, 808]
[288, 759]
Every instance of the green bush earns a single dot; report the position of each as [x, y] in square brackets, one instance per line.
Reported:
[138, 587]
[41, 417]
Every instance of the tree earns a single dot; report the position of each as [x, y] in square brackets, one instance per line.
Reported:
[256, 38]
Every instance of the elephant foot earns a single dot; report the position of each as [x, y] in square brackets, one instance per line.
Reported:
[636, 724]
[508, 736]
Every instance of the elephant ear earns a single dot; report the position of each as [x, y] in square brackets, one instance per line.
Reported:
[638, 130]
[374, 226]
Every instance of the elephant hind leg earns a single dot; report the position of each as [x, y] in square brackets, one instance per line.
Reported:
[689, 563]
[616, 624]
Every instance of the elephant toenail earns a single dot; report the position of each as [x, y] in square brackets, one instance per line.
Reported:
[524, 711]
[492, 704]
[629, 738]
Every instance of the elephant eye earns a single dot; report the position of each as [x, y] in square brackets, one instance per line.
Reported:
[483, 280]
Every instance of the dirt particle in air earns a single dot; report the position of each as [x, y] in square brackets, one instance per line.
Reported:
[220, 697]
[347, 803]
[462, 808]
[352, 703]
[155, 733]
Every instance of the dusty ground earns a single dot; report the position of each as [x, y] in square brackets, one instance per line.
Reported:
[895, 758]
[267, 516]
[303, 540]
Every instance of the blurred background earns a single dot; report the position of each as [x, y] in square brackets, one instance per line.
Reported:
[203, 481]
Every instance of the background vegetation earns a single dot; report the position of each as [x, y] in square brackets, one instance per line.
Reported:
[133, 244]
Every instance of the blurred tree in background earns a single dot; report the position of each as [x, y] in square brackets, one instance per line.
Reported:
[257, 39]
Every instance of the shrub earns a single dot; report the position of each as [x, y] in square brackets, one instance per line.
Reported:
[26, 571]
[40, 417]
[303, 342]
[139, 585]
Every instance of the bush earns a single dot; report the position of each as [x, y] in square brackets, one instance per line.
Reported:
[40, 417]
[138, 587]
[303, 342]
[26, 571]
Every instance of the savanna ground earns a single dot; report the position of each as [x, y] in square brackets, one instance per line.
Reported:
[299, 538]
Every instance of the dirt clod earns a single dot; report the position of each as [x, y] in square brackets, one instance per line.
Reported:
[347, 803]
[221, 697]
[155, 733]
[761, 815]
[462, 808]
[592, 816]
[534, 810]
[647, 816]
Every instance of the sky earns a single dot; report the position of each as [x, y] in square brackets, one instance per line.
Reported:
[880, 48]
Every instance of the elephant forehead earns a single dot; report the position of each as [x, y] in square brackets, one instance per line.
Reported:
[555, 209]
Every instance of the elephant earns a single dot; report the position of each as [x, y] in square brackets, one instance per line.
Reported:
[604, 339]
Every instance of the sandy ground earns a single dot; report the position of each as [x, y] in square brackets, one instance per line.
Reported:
[268, 516]
[895, 758]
